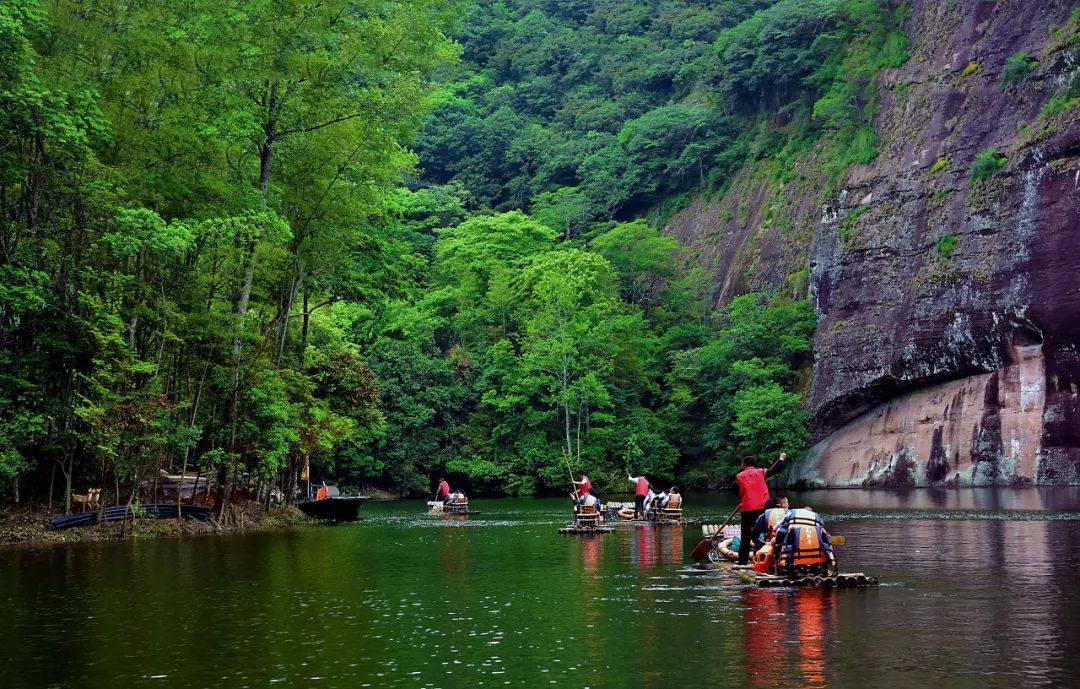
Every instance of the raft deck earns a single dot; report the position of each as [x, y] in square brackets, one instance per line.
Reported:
[657, 522]
[584, 530]
[840, 581]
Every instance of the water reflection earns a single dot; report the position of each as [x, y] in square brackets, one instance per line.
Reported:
[784, 636]
[645, 546]
[989, 599]
[1063, 498]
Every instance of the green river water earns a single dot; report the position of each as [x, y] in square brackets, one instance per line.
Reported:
[980, 588]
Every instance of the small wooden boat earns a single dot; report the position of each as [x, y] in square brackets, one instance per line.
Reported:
[330, 505]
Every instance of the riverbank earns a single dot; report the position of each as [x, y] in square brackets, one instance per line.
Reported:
[30, 525]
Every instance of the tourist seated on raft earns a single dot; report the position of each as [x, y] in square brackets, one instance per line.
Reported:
[590, 499]
[802, 544]
[674, 498]
[658, 503]
[649, 497]
[765, 526]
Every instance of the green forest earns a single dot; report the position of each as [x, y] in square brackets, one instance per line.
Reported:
[403, 239]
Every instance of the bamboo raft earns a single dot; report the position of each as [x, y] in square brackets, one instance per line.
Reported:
[167, 510]
[657, 522]
[454, 509]
[838, 581]
[585, 530]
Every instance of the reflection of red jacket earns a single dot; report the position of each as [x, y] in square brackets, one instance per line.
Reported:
[444, 489]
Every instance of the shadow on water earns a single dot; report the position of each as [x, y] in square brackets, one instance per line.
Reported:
[980, 589]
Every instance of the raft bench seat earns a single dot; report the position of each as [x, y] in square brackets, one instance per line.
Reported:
[672, 511]
[461, 507]
[588, 516]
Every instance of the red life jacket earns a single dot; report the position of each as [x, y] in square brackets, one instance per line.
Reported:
[586, 485]
[642, 487]
[444, 488]
[753, 492]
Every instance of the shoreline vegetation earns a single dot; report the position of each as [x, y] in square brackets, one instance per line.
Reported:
[29, 525]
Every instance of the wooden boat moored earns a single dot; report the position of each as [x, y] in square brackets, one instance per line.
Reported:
[332, 506]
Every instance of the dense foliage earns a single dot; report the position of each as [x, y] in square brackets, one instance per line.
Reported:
[218, 248]
[187, 186]
[577, 111]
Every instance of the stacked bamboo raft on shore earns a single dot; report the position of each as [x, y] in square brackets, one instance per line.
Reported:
[169, 510]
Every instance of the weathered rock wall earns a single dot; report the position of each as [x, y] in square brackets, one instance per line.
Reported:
[949, 312]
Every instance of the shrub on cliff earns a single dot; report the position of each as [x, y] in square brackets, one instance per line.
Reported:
[1017, 68]
[986, 165]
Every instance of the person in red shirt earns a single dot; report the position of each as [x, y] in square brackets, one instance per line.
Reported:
[753, 498]
[641, 489]
[582, 487]
[444, 490]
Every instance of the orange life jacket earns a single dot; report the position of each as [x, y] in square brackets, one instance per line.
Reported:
[802, 539]
[763, 558]
[773, 518]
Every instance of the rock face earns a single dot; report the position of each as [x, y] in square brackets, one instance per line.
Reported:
[949, 310]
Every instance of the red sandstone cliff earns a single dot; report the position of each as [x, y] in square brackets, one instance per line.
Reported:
[947, 345]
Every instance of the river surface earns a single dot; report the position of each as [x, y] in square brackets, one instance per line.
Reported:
[980, 588]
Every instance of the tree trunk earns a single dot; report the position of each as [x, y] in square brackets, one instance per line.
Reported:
[127, 511]
[222, 490]
[579, 435]
[266, 147]
[566, 417]
[242, 309]
[307, 319]
[132, 327]
[52, 483]
[68, 470]
[289, 301]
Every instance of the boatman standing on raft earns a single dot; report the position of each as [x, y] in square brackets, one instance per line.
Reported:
[753, 498]
[582, 487]
[641, 489]
[444, 490]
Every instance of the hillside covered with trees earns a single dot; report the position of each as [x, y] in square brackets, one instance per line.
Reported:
[402, 238]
